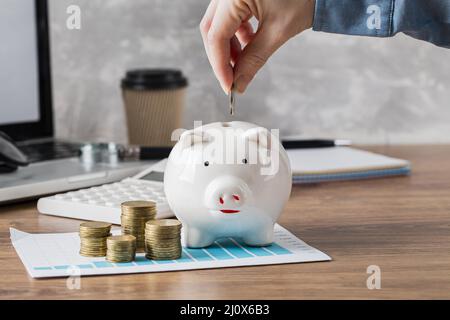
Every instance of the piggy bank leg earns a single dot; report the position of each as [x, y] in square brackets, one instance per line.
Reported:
[197, 238]
[262, 236]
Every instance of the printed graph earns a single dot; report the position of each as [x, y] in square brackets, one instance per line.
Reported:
[56, 255]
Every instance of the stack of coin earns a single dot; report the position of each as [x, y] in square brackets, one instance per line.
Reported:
[121, 248]
[93, 238]
[134, 216]
[163, 239]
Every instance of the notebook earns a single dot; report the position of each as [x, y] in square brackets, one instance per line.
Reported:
[342, 163]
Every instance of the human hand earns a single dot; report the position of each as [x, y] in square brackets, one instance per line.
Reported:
[236, 52]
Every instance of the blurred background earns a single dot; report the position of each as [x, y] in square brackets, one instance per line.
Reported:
[374, 91]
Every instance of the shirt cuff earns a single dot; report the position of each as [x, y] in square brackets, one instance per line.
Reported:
[362, 17]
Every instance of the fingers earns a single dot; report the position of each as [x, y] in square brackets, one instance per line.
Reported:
[264, 43]
[222, 30]
[205, 24]
[236, 50]
[245, 33]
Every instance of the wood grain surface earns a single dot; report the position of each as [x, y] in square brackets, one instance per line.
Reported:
[400, 224]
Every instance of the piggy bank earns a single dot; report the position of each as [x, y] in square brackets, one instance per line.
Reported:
[227, 179]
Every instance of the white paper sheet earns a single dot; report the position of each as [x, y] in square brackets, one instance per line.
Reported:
[56, 255]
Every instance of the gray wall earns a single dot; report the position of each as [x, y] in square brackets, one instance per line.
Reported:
[318, 85]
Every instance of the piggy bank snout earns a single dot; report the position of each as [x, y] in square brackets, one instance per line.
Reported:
[226, 193]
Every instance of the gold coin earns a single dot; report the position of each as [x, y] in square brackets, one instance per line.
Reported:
[160, 248]
[163, 254]
[160, 253]
[162, 239]
[94, 240]
[120, 259]
[138, 207]
[93, 251]
[138, 204]
[121, 248]
[141, 211]
[94, 255]
[156, 257]
[163, 244]
[164, 223]
[121, 239]
[95, 225]
[162, 235]
[93, 236]
[133, 220]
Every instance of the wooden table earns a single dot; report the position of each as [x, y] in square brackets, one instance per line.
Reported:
[400, 224]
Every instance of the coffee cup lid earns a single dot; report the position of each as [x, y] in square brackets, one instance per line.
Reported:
[154, 79]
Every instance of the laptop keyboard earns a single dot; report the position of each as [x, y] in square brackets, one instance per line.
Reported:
[50, 150]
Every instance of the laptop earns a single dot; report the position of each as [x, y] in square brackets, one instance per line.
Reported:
[26, 113]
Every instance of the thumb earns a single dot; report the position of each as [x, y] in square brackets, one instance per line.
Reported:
[254, 56]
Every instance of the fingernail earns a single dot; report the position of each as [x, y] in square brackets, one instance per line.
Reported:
[241, 83]
[226, 90]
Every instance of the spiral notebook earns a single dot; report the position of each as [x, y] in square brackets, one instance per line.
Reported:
[342, 163]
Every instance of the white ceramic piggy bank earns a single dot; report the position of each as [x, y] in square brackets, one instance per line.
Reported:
[227, 180]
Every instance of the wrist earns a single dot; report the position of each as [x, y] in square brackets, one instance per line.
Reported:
[312, 8]
[306, 12]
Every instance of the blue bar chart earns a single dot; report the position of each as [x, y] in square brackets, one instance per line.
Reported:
[56, 255]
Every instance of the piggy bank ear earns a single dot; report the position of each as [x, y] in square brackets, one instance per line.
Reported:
[259, 135]
[263, 139]
[192, 137]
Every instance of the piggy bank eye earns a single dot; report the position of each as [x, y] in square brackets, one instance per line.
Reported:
[244, 161]
[206, 163]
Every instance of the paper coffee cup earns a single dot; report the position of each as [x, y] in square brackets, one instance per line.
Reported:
[154, 101]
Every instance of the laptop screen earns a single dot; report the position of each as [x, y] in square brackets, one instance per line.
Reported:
[25, 86]
[19, 91]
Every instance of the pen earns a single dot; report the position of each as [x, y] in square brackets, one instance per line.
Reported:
[314, 143]
[143, 153]
[107, 152]
[148, 153]
[98, 152]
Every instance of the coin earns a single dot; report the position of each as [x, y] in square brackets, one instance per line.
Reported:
[164, 223]
[93, 238]
[121, 248]
[163, 239]
[94, 229]
[138, 206]
[133, 218]
[95, 225]
[231, 97]
[121, 240]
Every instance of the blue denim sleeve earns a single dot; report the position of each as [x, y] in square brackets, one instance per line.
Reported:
[427, 20]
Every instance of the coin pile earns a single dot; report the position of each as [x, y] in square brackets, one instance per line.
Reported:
[93, 238]
[121, 248]
[163, 239]
[134, 216]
